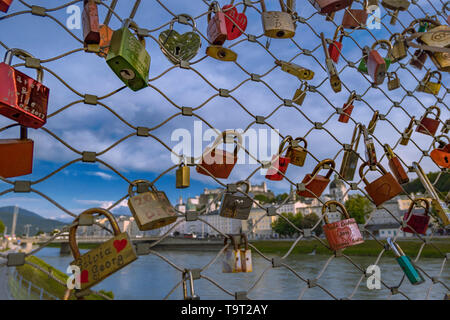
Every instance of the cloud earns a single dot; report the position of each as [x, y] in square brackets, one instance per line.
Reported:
[104, 176]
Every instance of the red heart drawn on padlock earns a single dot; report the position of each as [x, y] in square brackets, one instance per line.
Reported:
[84, 277]
[120, 244]
[236, 19]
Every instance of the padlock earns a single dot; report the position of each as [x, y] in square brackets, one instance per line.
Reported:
[151, 209]
[399, 47]
[231, 262]
[431, 87]
[377, 66]
[217, 27]
[406, 264]
[300, 94]
[396, 6]
[438, 206]
[418, 59]
[370, 152]
[296, 153]
[236, 204]
[91, 32]
[417, 222]
[441, 154]
[441, 60]
[16, 156]
[341, 234]
[347, 108]
[187, 275]
[438, 36]
[355, 18]
[246, 254]
[373, 122]
[221, 53]
[236, 22]
[362, 67]
[279, 163]
[396, 166]
[333, 75]
[351, 156]
[4, 5]
[182, 175]
[335, 47]
[128, 58]
[180, 47]
[106, 259]
[278, 24]
[105, 40]
[219, 163]
[22, 98]
[393, 81]
[406, 135]
[429, 126]
[446, 126]
[315, 184]
[328, 7]
[382, 189]
[296, 70]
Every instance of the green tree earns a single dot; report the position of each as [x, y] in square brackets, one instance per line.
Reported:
[263, 199]
[281, 197]
[358, 207]
[310, 221]
[2, 227]
[284, 228]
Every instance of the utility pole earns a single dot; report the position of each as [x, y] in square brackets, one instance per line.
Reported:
[27, 228]
[13, 229]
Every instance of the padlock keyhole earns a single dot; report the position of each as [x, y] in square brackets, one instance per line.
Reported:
[177, 50]
[280, 34]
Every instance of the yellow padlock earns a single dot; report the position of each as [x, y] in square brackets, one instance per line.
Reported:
[431, 87]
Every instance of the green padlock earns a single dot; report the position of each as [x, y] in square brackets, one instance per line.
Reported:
[128, 58]
[178, 47]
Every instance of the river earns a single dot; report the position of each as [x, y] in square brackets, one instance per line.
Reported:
[152, 278]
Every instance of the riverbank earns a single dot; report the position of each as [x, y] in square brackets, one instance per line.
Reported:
[368, 248]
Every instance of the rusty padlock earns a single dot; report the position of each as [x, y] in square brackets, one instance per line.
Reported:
[220, 163]
[417, 222]
[427, 86]
[246, 255]
[327, 7]
[22, 98]
[297, 154]
[376, 65]
[441, 154]
[351, 156]
[418, 59]
[335, 47]
[315, 184]
[91, 31]
[279, 163]
[382, 189]
[16, 156]
[396, 6]
[341, 234]
[347, 108]
[355, 18]
[151, 209]
[278, 24]
[217, 27]
[396, 166]
[231, 262]
[427, 125]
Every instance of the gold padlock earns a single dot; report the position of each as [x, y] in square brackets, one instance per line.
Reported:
[393, 81]
[279, 24]
[183, 175]
[333, 74]
[441, 60]
[431, 87]
[300, 94]
[406, 135]
[437, 37]
[151, 209]
[221, 53]
[373, 122]
[296, 70]
[296, 153]
[399, 50]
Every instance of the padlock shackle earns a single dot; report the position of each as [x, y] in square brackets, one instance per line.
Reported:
[341, 29]
[246, 183]
[177, 19]
[187, 274]
[16, 52]
[283, 6]
[433, 74]
[415, 201]
[381, 42]
[338, 204]
[395, 35]
[222, 137]
[351, 98]
[213, 7]
[361, 175]
[23, 133]
[233, 241]
[136, 182]
[436, 139]
[130, 24]
[73, 230]
[321, 164]
[390, 153]
[429, 110]
[283, 142]
[394, 246]
[245, 240]
[356, 136]
[300, 139]
[373, 122]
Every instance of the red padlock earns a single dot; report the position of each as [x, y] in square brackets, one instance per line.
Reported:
[347, 108]
[91, 32]
[417, 222]
[429, 126]
[376, 65]
[4, 5]
[341, 234]
[315, 184]
[217, 26]
[327, 7]
[219, 163]
[396, 166]
[16, 156]
[22, 98]
[279, 164]
[441, 155]
[382, 189]
[335, 48]
[354, 18]
[236, 22]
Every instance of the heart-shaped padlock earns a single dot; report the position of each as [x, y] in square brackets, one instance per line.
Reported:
[236, 22]
[180, 47]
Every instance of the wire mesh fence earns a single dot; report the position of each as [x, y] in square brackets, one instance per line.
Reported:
[256, 70]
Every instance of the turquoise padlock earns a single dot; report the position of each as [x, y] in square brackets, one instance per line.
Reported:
[406, 264]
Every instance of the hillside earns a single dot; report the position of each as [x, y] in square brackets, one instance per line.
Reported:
[443, 185]
[27, 217]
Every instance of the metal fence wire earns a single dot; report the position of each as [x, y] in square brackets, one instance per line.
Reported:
[396, 109]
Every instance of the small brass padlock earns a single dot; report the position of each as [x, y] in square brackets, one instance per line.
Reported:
[431, 87]
[296, 70]
[300, 94]
[406, 135]
[393, 81]
[151, 209]
[221, 53]
[333, 74]
[399, 49]
[351, 156]
[396, 6]
[183, 175]
[278, 24]
[296, 153]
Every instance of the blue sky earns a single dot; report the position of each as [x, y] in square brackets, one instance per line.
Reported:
[92, 128]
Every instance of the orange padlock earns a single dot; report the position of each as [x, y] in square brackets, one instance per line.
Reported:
[383, 188]
[16, 156]
[441, 154]
[429, 126]
[315, 184]
[91, 33]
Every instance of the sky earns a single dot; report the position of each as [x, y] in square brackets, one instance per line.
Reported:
[80, 186]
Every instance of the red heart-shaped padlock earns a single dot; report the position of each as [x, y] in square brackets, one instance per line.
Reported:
[84, 277]
[236, 19]
[120, 244]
